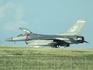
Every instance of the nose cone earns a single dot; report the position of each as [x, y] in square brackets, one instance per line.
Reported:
[9, 39]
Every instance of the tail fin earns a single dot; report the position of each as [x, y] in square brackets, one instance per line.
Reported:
[76, 29]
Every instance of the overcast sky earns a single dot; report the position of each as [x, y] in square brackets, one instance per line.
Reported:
[45, 17]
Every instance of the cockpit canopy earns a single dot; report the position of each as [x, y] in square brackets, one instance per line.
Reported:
[25, 30]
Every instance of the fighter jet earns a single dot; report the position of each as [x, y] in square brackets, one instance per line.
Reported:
[72, 36]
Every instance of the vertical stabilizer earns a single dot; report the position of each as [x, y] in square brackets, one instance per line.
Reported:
[76, 29]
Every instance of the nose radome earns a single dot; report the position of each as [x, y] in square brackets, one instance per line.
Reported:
[9, 39]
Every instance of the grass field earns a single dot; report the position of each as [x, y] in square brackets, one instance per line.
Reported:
[44, 51]
[27, 58]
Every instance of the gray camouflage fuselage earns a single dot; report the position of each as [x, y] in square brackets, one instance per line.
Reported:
[70, 37]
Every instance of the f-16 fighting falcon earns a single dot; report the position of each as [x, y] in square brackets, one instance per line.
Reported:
[72, 36]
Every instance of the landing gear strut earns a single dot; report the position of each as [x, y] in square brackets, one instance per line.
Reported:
[55, 46]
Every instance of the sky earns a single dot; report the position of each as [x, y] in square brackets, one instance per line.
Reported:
[45, 17]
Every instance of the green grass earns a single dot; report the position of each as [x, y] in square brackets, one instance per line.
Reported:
[27, 58]
[44, 51]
